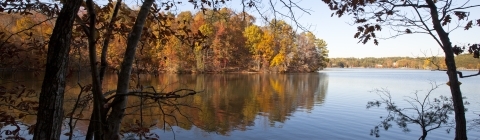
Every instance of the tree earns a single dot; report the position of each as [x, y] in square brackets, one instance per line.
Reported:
[108, 111]
[254, 36]
[53, 87]
[428, 17]
[428, 114]
[323, 52]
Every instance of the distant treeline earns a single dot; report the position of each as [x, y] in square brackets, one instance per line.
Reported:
[463, 61]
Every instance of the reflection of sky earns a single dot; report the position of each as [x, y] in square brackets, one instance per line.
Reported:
[343, 114]
[349, 92]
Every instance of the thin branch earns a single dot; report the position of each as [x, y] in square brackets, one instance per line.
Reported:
[428, 29]
[29, 28]
[459, 8]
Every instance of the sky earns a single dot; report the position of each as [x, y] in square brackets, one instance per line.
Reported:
[338, 32]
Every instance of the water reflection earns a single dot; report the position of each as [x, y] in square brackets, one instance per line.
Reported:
[233, 101]
[228, 102]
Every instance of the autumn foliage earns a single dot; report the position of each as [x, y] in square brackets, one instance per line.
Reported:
[206, 41]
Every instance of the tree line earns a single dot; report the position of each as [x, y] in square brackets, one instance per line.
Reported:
[204, 41]
[463, 61]
[60, 38]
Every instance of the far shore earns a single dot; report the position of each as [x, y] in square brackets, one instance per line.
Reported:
[401, 68]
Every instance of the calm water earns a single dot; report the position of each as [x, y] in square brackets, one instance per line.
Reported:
[326, 105]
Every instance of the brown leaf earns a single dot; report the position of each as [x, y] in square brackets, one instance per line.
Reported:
[408, 31]
[378, 27]
[461, 15]
[446, 20]
[360, 20]
[390, 12]
[356, 35]
[469, 25]
[365, 40]
[360, 28]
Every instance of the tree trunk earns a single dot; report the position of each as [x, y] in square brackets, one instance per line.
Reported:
[98, 110]
[119, 103]
[50, 110]
[460, 122]
[108, 34]
[97, 118]
[424, 134]
[199, 59]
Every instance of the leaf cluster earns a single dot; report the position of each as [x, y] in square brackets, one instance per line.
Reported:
[16, 103]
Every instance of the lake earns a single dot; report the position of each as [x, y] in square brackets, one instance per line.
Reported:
[330, 104]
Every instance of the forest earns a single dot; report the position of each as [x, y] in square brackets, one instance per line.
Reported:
[230, 42]
[463, 61]
[58, 39]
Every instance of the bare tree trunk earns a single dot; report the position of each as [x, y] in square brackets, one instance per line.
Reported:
[97, 118]
[460, 122]
[50, 109]
[119, 103]
[95, 124]
[424, 134]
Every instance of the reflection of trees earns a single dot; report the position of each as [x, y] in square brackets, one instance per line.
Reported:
[233, 101]
[229, 101]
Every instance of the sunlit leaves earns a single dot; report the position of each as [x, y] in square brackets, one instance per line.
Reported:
[171, 42]
[279, 59]
[253, 33]
[206, 29]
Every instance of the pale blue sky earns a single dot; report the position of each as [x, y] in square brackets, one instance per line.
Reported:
[339, 34]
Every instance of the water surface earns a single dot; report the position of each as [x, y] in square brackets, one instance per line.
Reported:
[330, 104]
[326, 105]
